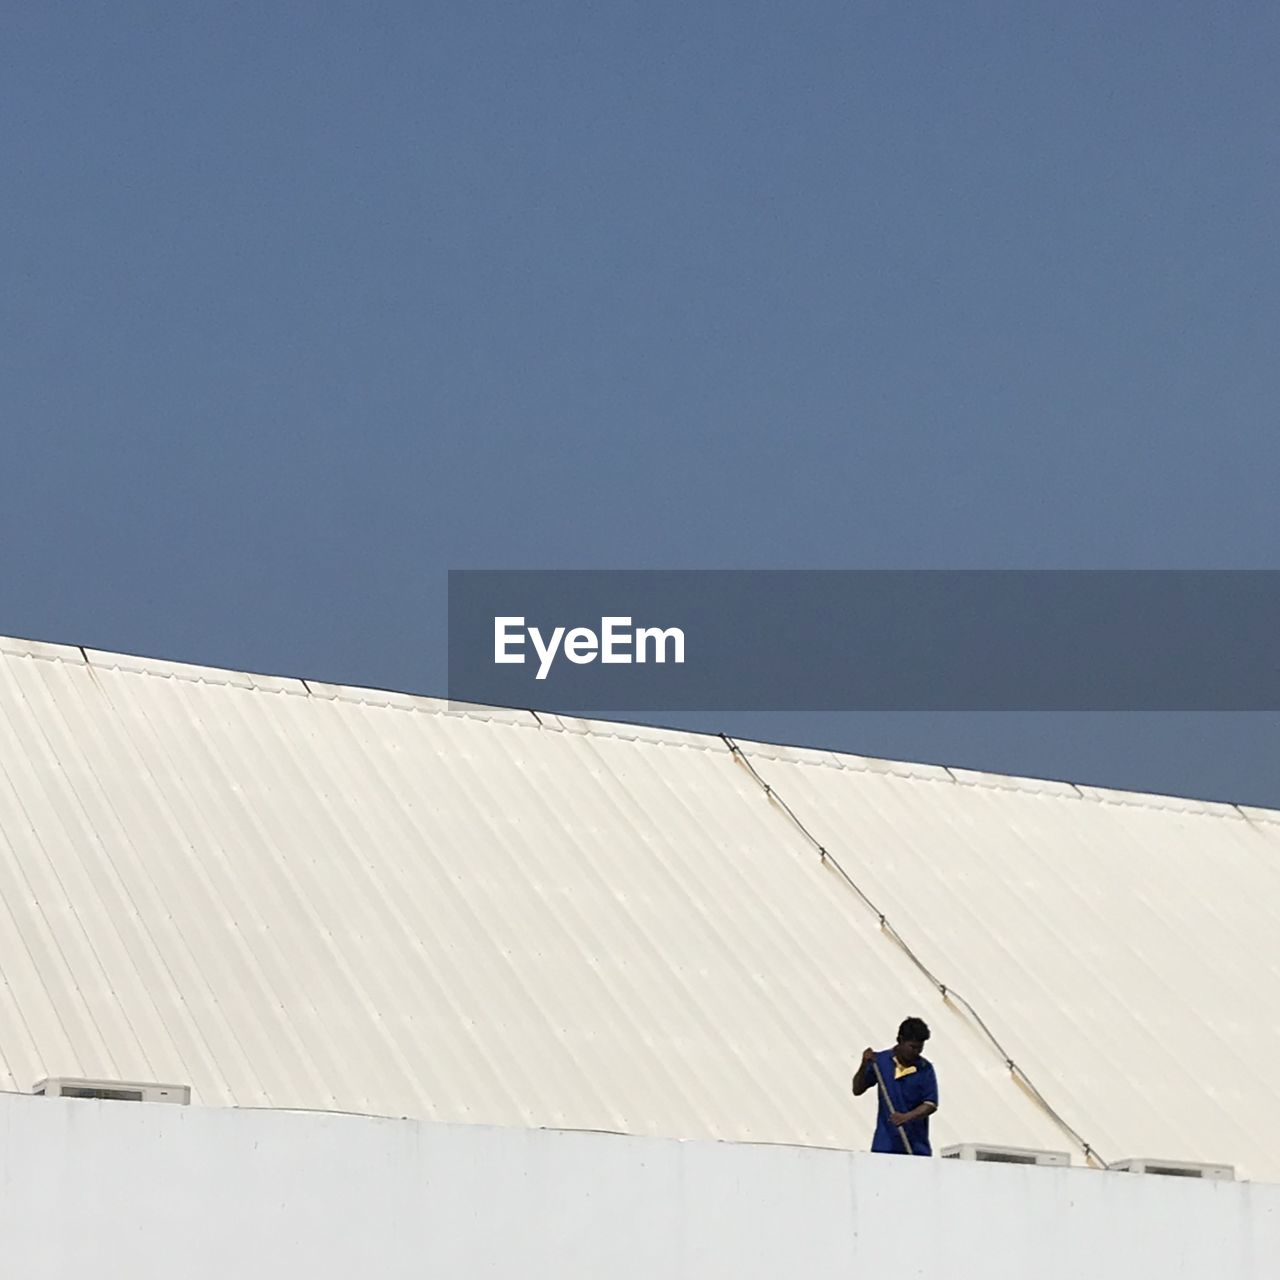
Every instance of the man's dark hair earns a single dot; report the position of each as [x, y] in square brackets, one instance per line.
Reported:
[913, 1029]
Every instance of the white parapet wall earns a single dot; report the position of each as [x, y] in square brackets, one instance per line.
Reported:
[107, 1190]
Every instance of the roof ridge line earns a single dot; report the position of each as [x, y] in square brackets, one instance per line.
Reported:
[267, 682]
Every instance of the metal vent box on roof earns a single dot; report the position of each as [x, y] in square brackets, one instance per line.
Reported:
[112, 1090]
[1004, 1155]
[1176, 1168]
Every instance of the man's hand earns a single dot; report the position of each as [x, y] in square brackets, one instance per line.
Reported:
[898, 1118]
[864, 1078]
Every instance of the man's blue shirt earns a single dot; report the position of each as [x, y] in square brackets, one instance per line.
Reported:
[906, 1094]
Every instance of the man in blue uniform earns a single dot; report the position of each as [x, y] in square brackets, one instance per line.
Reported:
[912, 1087]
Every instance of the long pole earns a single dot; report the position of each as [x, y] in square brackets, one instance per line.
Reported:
[884, 1093]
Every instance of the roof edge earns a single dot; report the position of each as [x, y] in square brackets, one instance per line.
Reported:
[531, 717]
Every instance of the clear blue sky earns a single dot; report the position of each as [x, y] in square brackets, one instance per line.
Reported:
[303, 304]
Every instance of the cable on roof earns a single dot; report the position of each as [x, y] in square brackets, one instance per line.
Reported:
[949, 994]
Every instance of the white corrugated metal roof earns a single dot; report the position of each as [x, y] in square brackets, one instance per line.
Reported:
[299, 895]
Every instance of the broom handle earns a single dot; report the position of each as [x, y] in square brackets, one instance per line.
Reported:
[884, 1093]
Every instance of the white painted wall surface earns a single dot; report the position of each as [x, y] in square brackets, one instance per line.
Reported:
[123, 1191]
